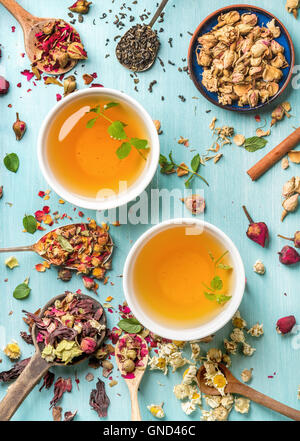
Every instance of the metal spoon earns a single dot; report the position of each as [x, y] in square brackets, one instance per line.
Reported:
[38, 366]
[133, 383]
[154, 35]
[235, 386]
[32, 25]
[35, 247]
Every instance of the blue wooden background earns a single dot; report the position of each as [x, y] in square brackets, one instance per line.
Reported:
[267, 298]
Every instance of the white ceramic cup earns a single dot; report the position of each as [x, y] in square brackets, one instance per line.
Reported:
[123, 197]
[205, 329]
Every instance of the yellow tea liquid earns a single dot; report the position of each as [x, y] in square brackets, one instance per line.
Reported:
[168, 276]
[83, 159]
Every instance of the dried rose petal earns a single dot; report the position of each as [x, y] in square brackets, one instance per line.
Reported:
[289, 256]
[285, 324]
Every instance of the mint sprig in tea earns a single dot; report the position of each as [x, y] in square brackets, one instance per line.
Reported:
[183, 279]
[94, 143]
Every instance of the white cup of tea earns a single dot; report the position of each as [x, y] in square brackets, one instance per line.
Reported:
[96, 201]
[152, 319]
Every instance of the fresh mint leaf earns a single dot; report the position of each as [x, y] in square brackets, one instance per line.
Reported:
[11, 162]
[222, 299]
[96, 109]
[139, 143]
[130, 325]
[91, 123]
[22, 291]
[124, 150]
[254, 143]
[30, 224]
[216, 283]
[210, 296]
[110, 105]
[195, 163]
[65, 244]
[116, 130]
[224, 267]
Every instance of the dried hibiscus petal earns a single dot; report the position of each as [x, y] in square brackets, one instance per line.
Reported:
[15, 372]
[61, 386]
[257, 231]
[99, 400]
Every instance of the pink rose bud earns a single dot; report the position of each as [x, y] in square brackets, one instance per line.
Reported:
[4, 86]
[89, 283]
[88, 345]
[285, 324]
[288, 256]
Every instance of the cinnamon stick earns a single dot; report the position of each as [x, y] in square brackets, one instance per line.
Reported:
[274, 155]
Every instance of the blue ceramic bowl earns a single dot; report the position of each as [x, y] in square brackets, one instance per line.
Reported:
[264, 17]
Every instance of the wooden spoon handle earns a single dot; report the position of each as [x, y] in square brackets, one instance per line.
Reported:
[135, 409]
[18, 391]
[266, 401]
[25, 19]
[15, 249]
[158, 12]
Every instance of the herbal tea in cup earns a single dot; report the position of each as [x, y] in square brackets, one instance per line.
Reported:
[183, 280]
[95, 142]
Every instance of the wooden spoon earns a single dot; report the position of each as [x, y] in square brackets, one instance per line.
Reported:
[151, 24]
[35, 247]
[32, 25]
[133, 383]
[236, 387]
[38, 366]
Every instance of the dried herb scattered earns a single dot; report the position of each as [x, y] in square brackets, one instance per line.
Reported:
[15, 371]
[69, 416]
[99, 400]
[254, 143]
[61, 386]
[257, 231]
[11, 162]
[130, 325]
[169, 166]
[138, 47]
[117, 131]
[48, 380]
[30, 224]
[19, 127]
[80, 7]
[22, 291]
[26, 337]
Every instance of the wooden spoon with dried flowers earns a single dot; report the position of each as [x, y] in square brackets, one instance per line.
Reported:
[52, 45]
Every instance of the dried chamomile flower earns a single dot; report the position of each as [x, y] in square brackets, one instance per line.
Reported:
[210, 369]
[12, 350]
[227, 401]
[188, 407]
[195, 396]
[248, 350]
[176, 360]
[259, 267]
[220, 413]
[181, 391]
[230, 346]
[158, 363]
[226, 360]
[237, 335]
[239, 140]
[261, 133]
[189, 375]
[156, 410]
[256, 330]
[195, 351]
[238, 321]
[213, 401]
[214, 355]
[246, 375]
[207, 415]
[219, 382]
[242, 405]
[179, 344]
[11, 262]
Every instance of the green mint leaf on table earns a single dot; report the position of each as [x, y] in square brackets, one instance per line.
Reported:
[254, 143]
[22, 291]
[139, 143]
[109, 105]
[65, 244]
[130, 325]
[216, 283]
[91, 123]
[116, 130]
[30, 224]
[124, 150]
[210, 296]
[195, 163]
[11, 162]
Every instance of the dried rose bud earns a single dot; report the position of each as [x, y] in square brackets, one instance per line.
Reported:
[195, 203]
[289, 205]
[89, 283]
[4, 86]
[128, 366]
[61, 57]
[19, 127]
[49, 28]
[288, 256]
[257, 231]
[88, 345]
[295, 239]
[1, 191]
[69, 85]
[81, 7]
[65, 275]
[76, 51]
[285, 324]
